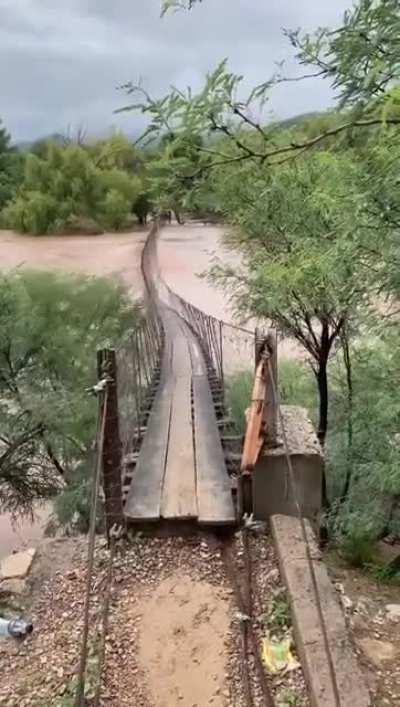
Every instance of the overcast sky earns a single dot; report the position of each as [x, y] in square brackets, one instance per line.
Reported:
[60, 62]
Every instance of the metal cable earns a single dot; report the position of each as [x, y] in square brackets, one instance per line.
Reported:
[106, 610]
[292, 481]
[80, 689]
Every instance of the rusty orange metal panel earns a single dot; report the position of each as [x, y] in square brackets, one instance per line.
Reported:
[254, 438]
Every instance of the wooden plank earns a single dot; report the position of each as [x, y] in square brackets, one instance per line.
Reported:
[144, 498]
[179, 489]
[214, 498]
[199, 367]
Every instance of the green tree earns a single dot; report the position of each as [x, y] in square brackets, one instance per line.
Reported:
[66, 186]
[50, 328]
[300, 230]
[11, 168]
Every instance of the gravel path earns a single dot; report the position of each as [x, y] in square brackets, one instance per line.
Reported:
[174, 630]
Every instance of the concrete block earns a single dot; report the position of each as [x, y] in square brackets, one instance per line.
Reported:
[310, 643]
[273, 492]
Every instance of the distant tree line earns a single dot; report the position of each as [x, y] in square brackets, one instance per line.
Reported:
[67, 184]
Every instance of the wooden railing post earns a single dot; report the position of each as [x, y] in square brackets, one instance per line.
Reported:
[111, 462]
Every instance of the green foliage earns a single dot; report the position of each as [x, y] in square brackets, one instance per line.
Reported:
[296, 387]
[368, 466]
[362, 58]
[33, 213]
[116, 208]
[50, 328]
[319, 240]
[358, 549]
[238, 397]
[11, 168]
[63, 184]
[288, 698]
[277, 618]
[300, 229]
[168, 5]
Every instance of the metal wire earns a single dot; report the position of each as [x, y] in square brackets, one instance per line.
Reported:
[137, 367]
[227, 347]
[102, 414]
[105, 617]
[292, 482]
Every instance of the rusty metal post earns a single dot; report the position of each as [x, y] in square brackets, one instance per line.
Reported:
[112, 450]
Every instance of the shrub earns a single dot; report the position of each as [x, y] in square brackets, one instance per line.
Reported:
[116, 209]
[65, 184]
[50, 328]
[296, 386]
[34, 212]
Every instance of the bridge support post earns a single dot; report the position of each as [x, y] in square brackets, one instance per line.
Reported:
[112, 457]
[270, 413]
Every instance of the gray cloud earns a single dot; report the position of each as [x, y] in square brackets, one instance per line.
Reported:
[60, 63]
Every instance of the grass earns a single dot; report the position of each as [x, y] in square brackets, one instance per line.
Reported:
[288, 698]
[296, 385]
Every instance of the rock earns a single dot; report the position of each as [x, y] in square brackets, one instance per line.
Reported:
[378, 652]
[17, 566]
[273, 575]
[13, 586]
[393, 611]
[346, 603]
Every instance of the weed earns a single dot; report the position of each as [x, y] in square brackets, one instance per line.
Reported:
[277, 617]
[288, 698]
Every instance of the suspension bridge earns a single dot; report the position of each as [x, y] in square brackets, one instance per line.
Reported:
[168, 455]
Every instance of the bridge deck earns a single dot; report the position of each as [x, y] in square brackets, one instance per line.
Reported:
[181, 473]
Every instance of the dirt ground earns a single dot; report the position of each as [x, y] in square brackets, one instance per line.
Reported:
[375, 631]
[174, 633]
[175, 649]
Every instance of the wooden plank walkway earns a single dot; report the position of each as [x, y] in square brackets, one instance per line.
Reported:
[181, 474]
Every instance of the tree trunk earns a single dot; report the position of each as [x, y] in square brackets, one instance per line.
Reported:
[349, 381]
[322, 380]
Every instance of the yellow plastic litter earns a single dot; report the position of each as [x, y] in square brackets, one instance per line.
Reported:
[278, 656]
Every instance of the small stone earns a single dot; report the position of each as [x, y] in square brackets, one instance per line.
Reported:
[346, 602]
[393, 611]
[273, 575]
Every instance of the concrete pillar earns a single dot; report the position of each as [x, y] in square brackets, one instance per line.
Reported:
[273, 491]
